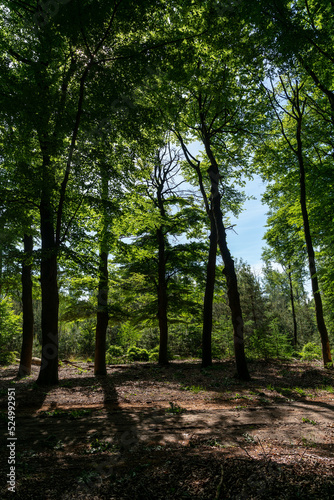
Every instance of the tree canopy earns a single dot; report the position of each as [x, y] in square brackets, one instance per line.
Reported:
[109, 217]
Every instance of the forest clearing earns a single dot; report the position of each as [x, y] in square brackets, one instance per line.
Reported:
[175, 432]
[170, 364]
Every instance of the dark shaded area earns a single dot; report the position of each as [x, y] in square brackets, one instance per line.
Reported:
[174, 472]
[115, 451]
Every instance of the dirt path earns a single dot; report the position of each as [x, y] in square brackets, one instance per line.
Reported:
[177, 432]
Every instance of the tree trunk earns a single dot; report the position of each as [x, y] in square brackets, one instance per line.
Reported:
[292, 299]
[1, 258]
[162, 300]
[28, 314]
[326, 352]
[229, 270]
[102, 317]
[48, 374]
[208, 297]
[211, 266]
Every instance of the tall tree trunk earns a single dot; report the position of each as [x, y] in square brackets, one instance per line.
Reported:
[162, 300]
[102, 317]
[28, 314]
[292, 300]
[326, 352]
[48, 374]
[229, 270]
[208, 296]
[211, 266]
[1, 259]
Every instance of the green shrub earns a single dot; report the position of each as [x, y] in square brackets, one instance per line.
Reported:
[115, 351]
[10, 331]
[269, 343]
[113, 354]
[8, 357]
[311, 351]
[137, 354]
[154, 356]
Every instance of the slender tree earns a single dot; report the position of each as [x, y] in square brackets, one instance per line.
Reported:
[195, 164]
[27, 308]
[292, 92]
[158, 217]
[102, 300]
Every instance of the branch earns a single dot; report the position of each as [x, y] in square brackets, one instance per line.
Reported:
[71, 150]
[309, 15]
[195, 164]
[281, 123]
[18, 57]
[104, 37]
[24, 5]
[153, 47]
[70, 221]
[316, 80]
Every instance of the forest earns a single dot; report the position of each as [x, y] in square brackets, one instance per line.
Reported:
[128, 132]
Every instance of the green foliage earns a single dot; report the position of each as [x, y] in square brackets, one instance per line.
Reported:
[186, 339]
[308, 421]
[8, 357]
[197, 80]
[53, 443]
[270, 343]
[311, 351]
[10, 332]
[72, 414]
[154, 356]
[115, 351]
[137, 354]
[99, 446]
[128, 335]
[194, 388]
[175, 409]
[114, 354]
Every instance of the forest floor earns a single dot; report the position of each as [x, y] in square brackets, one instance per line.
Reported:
[147, 432]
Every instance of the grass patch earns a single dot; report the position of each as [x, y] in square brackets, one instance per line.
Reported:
[308, 421]
[99, 446]
[328, 388]
[175, 409]
[71, 414]
[193, 388]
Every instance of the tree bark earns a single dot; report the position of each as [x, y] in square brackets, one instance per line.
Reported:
[27, 306]
[48, 374]
[1, 258]
[229, 270]
[211, 266]
[102, 317]
[162, 299]
[326, 352]
[292, 300]
[208, 297]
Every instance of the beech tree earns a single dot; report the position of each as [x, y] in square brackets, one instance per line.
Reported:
[291, 122]
[285, 244]
[195, 165]
[213, 112]
[49, 61]
[160, 213]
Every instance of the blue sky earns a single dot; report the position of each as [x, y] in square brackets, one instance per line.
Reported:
[246, 242]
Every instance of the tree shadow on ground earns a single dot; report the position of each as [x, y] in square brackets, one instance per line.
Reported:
[113, 451]
[283, 373]
[83, 444]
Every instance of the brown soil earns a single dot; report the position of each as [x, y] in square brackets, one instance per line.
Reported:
[146, 432]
